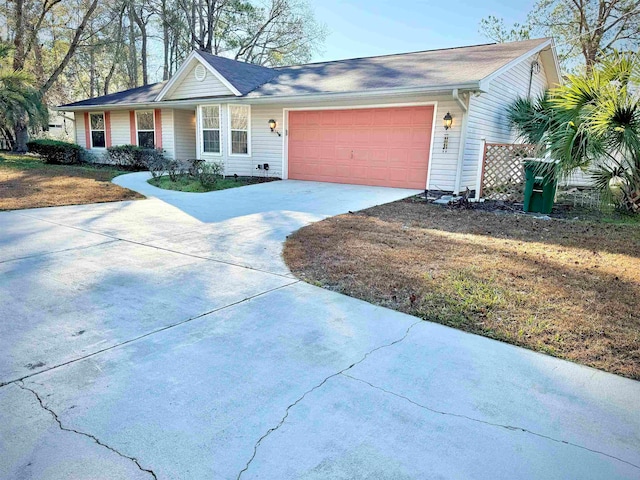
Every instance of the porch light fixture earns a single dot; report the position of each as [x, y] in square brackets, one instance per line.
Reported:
[447, 120]
[272, 125]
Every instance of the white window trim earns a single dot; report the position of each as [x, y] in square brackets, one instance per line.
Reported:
[91, 130]
[201, 129]
[153, 115]
[231, 154]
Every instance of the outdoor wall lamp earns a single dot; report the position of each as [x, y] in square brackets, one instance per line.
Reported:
[448, 120]
[272, 125]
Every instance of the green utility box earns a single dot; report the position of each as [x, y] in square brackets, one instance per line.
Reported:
[540, 185]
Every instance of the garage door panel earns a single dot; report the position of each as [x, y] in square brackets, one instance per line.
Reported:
[329, 136]
[327, 152]
[398, 156]
[415, 156]
[359, 172]
[328, 119]
[379, 146]
[379, 155]
[398, 174]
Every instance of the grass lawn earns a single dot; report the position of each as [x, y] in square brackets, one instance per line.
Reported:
[27, 182]
[191, 184]
[567, 288]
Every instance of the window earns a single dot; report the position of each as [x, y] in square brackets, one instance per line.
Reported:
[145, 127]
[96, 123]
[211, 129]
[239, 118]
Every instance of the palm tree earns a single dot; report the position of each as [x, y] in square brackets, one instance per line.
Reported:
[592, 122]
[17, 97]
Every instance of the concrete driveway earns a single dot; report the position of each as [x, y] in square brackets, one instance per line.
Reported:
[165, 338]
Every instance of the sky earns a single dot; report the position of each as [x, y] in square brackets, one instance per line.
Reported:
[360, 28]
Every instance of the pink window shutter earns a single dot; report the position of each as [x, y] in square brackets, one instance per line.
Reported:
[158, 127]
[132, 127]
[107, 129]
[87, 132]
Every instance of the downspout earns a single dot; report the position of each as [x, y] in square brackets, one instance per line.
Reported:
[463, 138]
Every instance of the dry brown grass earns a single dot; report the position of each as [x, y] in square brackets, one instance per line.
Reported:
[569, 289]
[26, 182]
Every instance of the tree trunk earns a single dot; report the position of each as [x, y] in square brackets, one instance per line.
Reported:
[92, 73]
[21, 135]
[133, 54]
[20, 129]
[18, 39]
[143, 55]
[142, 26]
[165, 41]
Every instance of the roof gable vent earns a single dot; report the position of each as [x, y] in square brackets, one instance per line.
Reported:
[199, 72]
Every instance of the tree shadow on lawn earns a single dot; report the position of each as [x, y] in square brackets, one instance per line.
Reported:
[588, 236]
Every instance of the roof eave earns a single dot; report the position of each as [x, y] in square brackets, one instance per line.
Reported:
[436, 89]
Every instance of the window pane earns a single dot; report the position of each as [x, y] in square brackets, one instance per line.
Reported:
[239, 117]
[146, 139]
[145, 120]
[239, 142]
[211, 140]
[97, 139]
[211, 117]
[97, 121]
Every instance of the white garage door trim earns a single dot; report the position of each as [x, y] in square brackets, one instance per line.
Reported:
[285, 121]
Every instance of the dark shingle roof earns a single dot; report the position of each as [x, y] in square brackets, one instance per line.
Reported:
[146, 94]
[245, 77]
[431, 68]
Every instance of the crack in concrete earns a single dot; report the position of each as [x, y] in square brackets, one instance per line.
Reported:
[83, 247]
[319, 385]
[499, 425]
[133, 242]
[139, 337]
[88, 435]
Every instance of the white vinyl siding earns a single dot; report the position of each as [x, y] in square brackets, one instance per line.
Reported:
[168, 132]
[184, 125]
[81, 138]
[488, 114]
[120, 131]
[266, 145]
[188, 87]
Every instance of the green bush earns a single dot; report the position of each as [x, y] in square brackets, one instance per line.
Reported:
[133, 157]
[57, 152]
[209, 173]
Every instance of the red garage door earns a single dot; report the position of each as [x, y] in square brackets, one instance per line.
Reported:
[370, 146]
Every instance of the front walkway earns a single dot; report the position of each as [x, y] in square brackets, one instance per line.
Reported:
[165, 338]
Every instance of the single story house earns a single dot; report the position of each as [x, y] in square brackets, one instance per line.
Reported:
[414, 120]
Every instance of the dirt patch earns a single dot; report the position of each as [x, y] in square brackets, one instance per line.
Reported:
[26, 182]
[569, 289]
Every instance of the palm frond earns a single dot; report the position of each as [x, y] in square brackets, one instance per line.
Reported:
[532, 119]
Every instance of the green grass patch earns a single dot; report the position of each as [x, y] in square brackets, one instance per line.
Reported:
[190, 184]
[463, 299]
